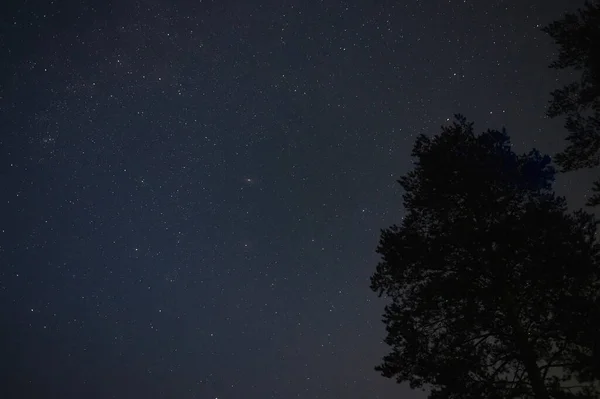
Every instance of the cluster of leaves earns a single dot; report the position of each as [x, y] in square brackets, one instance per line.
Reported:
[493, 284]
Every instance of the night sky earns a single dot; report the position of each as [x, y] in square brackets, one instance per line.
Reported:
[192, 191]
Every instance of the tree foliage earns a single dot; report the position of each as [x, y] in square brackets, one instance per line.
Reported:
[493, 284]
[577, 36]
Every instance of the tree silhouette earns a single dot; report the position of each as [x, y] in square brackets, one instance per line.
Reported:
[578, 39]
[493, 284]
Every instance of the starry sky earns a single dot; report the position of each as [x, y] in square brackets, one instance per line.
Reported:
[192, 191]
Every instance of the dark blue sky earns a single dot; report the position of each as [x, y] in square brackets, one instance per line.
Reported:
[192, 191]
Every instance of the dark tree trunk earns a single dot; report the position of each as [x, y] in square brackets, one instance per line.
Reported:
[526, 351]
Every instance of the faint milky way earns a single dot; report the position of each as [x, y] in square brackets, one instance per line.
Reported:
[193, 191]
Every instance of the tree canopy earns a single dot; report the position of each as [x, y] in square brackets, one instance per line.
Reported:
[577, 36]
[493, 284]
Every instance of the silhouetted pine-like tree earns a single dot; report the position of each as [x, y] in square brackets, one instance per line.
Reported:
[577, 36]
[493, 284]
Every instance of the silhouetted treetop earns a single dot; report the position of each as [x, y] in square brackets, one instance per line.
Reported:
[469, 168]
[490, 278]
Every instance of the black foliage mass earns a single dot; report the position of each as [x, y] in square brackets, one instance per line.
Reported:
[577, 36]
[493, 284]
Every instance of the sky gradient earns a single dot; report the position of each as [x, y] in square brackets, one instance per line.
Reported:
[193, 190]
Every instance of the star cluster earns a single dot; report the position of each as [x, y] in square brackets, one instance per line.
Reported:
[193, 190]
